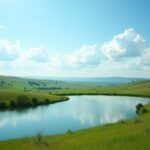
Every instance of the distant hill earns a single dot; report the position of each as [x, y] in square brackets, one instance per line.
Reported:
[62, 82]
[100, 80]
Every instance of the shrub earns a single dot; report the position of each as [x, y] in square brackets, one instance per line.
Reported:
[139, 106]
[140, 109]
[23, 101]
[70, 131]
[34, 101]
[3, 105]
[122, 121]
[144, 110]
[38, 139]
[12, 104]
[46, 101]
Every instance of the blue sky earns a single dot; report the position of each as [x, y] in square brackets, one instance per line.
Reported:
[75, 37]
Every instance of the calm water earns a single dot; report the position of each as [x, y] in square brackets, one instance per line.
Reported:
[77, 113]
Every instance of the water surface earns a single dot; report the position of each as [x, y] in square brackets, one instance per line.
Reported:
[77, 113]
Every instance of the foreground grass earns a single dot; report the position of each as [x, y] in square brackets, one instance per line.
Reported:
[131, 134]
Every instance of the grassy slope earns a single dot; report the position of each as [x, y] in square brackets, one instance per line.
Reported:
[130, 135]
[141, 88]
[8, 92]
[7, 95]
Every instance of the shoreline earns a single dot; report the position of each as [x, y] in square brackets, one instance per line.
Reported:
[67, 98]
[42, 103]
[103, 94]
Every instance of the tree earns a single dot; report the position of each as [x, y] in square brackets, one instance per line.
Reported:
[140, 109]
[12, 104]
[23, 101]
[34, 101]
[3, 105]
[46, 101]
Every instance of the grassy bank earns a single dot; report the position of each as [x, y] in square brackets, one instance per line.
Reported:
[141, 88]
[13, 87]
[11, 99]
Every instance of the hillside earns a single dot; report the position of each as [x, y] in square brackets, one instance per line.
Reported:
[12, 87]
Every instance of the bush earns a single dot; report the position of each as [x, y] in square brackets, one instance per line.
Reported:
[122, 121]
[12, 104]
[23, 101]
[70, 131]
[34, 101]
[137, 120]
[139, 106]
[39, 140]
[3, 105]
[140, 109]
[46, 101]
[144, 110]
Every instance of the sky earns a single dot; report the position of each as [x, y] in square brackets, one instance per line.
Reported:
[75, 38]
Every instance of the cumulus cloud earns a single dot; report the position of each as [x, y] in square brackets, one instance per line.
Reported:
[124, 45]
[128, 47]
[8, 51]
[87, 55]
[12, 52]
[36, 54]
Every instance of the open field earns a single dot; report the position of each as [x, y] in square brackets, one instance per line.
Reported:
[141, 88]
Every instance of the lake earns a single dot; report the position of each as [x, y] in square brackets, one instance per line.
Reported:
[77, 113]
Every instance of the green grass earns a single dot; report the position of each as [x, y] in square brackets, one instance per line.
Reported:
[7, 95]
[14, 86]
[141, 88]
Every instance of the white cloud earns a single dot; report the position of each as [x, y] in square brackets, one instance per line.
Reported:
[8, 51]
[36, 54]
[94, 60]
[87, 55]
[57, 61]
[124, 45]
[12, 52]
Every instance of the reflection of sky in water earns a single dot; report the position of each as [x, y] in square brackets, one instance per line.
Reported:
[79, 112]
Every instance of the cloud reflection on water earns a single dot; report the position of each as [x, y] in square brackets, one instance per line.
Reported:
[79, 112]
